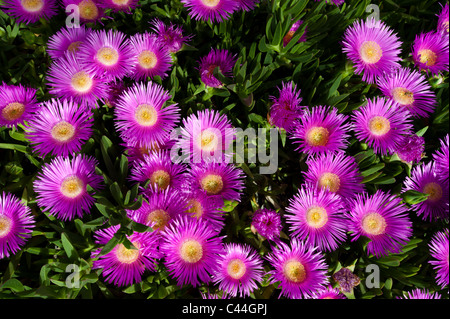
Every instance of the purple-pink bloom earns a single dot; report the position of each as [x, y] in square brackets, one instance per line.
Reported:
[60, 128]
[16, 224]
[171, 36]
[267, 223]
[381, 124]
[424, 179]
[61, 186]
[410, 90]
[411, 148]
[420, 294]
[191, 248]
[443, 20]
[124, 266]
[286, 110]
[439, 251]
[430, 52]
[321, 130]
[239, 269]
[213, 10]
[382, 218]
[89, 11]
[222, 59]
[67, 40]
[17, 104]
[30, 11]
[300, 269]
[373, 48]
[441, 159]
[287, 38]
[317, 217]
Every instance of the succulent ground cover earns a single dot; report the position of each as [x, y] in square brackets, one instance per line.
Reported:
[257, 149]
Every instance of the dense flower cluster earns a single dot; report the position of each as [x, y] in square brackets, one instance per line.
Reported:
[185, 199]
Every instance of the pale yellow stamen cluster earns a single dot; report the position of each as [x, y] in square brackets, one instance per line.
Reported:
[212, 184]
[63, 131]
[294, 271]
[13, 111]
[330, 181]
[374, 224]
[370, 52]
[191, 251]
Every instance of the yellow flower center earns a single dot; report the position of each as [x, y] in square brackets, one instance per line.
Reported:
[379, 125]
[330, 181]
[5, 226]
[374, 224]
[160, 178]
[317, 136]
[127, 256]
[194, 207]
[81, 82]
[147, 59]
[427, 57]
[120, 2]
[210, 3]
[146, 115]
[107, 56]
[13, 111]
[74, 46]
[72, 187]
[191, 251]
[208, 140]
[316, 216]
[88, 10]
[63, 131]
[159, 218]
[403, 96]
[294, 271]
[212, 184]
[236, 269]
[32, 5]
[434, 191]
[370, 52]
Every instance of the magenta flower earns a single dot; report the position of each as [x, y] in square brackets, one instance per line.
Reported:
[267, 223]
[30, 11]
[338, 173]
[150, 57]
[124, 266]
[287, 38]
[420, 294]
[61, 186]
[213, 10]
[411, 148]
[143, 117]
[373, 48]
[159, 209]
[439, 251]
[16, 224]
[328, 293]
[159, 170]
[60, 128]
[381, 124]
[69, 79]
[300, 269]
[382, 218]
[424, 179]
[135, 151]
[239, 270]
[106, 54]
[286, 110]
[221, 180]
[17, 104]
[321, 130]
[171, 36]
[67, 40]
[410, 90]
[441, 159]
[222, 59]
[430, 52]
[317, 217]
[119, 5]
[206, 135]
[191, 248]
[90, 10]
[201, 206]
[247, 5]
[443, 20]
